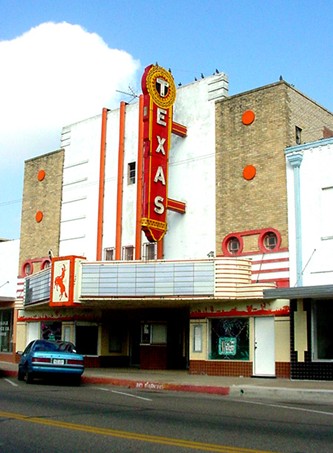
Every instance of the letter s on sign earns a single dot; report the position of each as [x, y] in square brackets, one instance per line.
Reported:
[159, 206]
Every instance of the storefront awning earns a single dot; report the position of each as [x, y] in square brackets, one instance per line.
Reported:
[301, 292]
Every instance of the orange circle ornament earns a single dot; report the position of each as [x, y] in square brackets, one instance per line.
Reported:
[41, 175]
[248, 117]
[39, 216]
[249, 172]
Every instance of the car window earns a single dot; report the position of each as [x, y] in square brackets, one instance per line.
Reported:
[27, 349]
[66, 346]
[46, 346]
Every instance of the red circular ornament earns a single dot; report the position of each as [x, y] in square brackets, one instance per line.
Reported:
[249, 172]
[39, 216]
[41, 175]
[248, 117]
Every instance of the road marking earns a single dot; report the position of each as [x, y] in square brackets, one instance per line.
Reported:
[130, 435]
[10, 382]
[283, 406]
[125, 394]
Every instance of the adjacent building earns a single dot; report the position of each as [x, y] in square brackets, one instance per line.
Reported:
[310, 199]
[9, 291]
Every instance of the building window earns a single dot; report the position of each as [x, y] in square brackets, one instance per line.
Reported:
[197, 338]
[128, 253]
[270, 240]
[86, 338]
[233, 245]
[153, 333]
[109, 254]
[27, 268]
[298, 135]
[229, 339]
[150, 251]
[322, 330]
[51, 330]
[131, 173]
[46, 264]
[115, 338]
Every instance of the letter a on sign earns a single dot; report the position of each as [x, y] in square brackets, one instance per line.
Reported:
[159, 96]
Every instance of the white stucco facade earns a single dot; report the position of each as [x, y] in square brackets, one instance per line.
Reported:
[191, 177]
[310, 201]
[9, 258]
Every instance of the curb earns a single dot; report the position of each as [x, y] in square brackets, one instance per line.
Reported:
[8, 373]
[283, 393]
[143, 385]
[151, 385]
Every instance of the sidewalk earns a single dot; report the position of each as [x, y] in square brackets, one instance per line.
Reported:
[236, 387]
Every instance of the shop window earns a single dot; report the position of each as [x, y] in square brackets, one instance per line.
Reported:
[128, 253]
[197, 338]
[153, 333]
[150, 251]
[229, 339]
[51, 330]
[131, 173]
[109, 254]
[6, 327]
[322, 330]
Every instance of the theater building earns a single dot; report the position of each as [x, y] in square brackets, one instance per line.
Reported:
[150, 236]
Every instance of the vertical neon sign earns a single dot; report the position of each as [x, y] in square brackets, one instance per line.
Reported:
[159, 96]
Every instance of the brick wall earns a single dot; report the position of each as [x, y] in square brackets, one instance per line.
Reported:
[42, 192]
[262, 201]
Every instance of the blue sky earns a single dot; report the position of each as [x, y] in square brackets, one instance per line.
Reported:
[253, 42]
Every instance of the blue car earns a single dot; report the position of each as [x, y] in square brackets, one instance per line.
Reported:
[44, 358]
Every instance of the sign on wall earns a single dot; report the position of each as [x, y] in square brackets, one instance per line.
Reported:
[65, 275]
[159, 96]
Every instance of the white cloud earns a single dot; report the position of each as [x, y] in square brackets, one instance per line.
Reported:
[51, 76]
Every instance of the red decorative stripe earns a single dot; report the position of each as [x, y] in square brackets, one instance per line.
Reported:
[179, 129]
[271, 270]
[177, 206]
[273, 260]
[250, 311]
